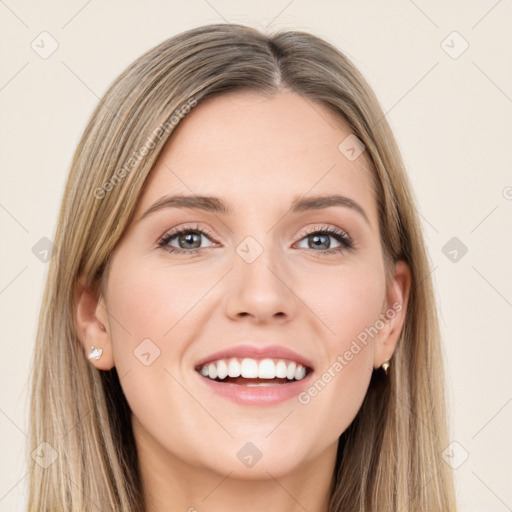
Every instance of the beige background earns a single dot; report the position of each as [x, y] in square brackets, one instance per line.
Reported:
[453, 121]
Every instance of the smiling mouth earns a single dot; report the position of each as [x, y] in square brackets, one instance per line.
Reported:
[253, 372]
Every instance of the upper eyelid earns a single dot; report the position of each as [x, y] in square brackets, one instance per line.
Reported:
[327, 228]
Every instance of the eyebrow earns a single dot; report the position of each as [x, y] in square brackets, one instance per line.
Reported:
[217, 205]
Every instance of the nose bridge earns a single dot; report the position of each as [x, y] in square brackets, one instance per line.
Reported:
[257, 284]
[257, 260]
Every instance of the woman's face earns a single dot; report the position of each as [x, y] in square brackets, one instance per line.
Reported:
[264, 274]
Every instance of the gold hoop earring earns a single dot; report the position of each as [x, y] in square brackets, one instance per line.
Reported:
[385, 366]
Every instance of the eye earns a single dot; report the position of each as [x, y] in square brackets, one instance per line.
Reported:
[188, 239]
[319, 238]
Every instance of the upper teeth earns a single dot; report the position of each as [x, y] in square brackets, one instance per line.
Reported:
[253, 369]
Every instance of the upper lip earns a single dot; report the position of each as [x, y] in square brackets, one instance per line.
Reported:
[257, 352]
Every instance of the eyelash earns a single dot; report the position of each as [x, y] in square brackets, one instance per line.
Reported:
[346, 242]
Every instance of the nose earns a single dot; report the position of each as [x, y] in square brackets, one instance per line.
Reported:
[261, 290]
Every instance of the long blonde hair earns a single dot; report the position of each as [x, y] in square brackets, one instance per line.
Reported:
[389, 459]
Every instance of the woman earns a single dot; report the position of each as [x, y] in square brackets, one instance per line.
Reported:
[290, 358]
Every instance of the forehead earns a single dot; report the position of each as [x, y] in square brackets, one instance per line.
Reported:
[255, 151]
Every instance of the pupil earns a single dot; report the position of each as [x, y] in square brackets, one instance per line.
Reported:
[317, 238]
[188, 238]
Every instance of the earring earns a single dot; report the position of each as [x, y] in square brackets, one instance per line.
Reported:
[385, 366]
[95, 353]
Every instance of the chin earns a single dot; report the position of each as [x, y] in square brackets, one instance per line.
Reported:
[257, 458]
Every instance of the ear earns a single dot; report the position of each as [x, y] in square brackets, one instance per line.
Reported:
[393, 315]
[92, 326]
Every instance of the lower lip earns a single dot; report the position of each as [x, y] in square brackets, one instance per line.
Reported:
[257, 395]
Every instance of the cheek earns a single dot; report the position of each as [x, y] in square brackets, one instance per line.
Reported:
[150, 302]
[350, 306]
[156, 310]
[150, 309]
[348, 300]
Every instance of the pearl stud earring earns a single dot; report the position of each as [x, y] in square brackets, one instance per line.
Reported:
[95, 353]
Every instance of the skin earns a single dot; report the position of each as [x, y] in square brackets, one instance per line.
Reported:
[262, 152]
